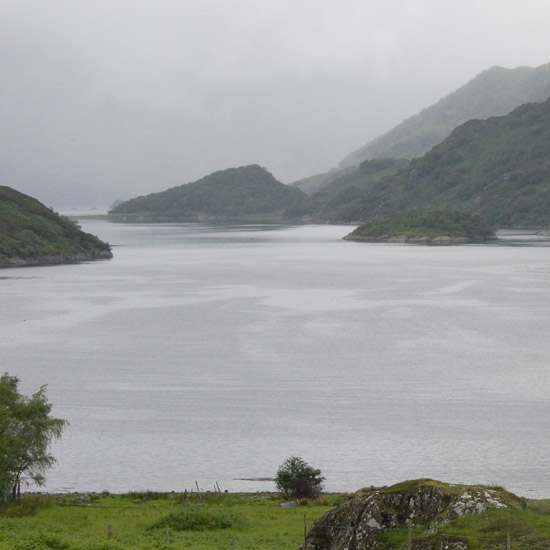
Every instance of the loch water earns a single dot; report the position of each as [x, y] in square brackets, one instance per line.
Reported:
[204, 354]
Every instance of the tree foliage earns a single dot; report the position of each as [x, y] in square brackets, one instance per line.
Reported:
[297, 479]
[26, 432]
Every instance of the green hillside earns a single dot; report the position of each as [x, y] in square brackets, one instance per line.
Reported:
[312, 184]
[494, 92]
[340, 200]
[30, 233]
[245, 193]
[498, 169]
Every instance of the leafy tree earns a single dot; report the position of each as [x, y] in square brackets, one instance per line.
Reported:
[26, 431]
[297, 479]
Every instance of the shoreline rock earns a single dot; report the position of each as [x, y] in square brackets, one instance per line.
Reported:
[55, 259]
[443, 240]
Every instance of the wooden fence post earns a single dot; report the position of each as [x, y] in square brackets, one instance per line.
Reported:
[198, 490]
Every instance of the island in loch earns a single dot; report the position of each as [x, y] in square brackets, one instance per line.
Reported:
[438, 227]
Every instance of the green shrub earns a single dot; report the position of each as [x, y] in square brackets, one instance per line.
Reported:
[297, 479]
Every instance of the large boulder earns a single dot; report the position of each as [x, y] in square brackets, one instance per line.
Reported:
[357, 523]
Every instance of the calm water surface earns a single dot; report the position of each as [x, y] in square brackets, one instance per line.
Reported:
[211, 354]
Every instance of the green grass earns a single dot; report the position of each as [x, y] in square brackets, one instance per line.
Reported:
[80, 522]
[527, 527]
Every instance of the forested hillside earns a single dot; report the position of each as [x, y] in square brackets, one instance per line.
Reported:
[30, 233]
[498, 168]
[237, 193]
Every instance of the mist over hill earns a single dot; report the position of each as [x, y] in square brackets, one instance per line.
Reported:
[498, 168]
[493, 92]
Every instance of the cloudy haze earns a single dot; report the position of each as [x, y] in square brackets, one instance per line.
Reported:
[101, 99]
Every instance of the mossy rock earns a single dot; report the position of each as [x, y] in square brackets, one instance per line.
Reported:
[424, 503]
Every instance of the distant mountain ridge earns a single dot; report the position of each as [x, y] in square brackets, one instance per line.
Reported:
[32, 234]
[493, 92]
[240, 193]
[494, 166]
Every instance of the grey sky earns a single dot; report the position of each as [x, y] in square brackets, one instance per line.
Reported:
[123, 97]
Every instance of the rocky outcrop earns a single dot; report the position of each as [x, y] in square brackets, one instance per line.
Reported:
[357, 524]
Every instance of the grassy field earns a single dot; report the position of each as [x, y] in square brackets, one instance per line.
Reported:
[81, 522]
[140, 521]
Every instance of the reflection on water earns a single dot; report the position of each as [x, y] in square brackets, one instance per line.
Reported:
[212, 353]
[525, 237]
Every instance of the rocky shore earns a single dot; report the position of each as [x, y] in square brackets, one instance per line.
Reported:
[441, 240]
[54, 259]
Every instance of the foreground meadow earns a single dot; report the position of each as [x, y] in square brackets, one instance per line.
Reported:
[140, 521]
[169, 521]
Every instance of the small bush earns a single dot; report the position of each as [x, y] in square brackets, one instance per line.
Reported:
[197, 519]
[296, 479]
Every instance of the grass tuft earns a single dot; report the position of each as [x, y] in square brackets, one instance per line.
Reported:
[200, 519]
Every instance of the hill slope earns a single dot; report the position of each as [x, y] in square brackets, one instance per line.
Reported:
[498, 168]
[340, 200]
[236, 193]
[494, 92]
[30, 233]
